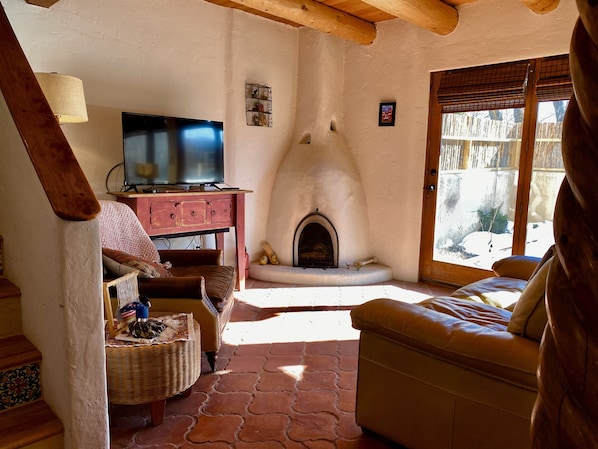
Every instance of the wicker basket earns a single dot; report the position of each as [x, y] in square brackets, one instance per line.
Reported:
[148, 373]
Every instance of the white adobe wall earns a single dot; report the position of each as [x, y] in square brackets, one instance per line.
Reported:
[185, 58]
[396, 67]
[55, 264]
[179, 57]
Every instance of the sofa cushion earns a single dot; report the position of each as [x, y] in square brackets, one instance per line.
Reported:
[220, 281]
[496, 291]
[474, 312]
[529, 315]
[119, 263]
[545, 258]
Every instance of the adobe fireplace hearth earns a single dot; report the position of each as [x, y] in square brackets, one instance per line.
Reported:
[315, 244]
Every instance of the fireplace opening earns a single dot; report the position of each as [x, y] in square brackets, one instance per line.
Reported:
[316, 243]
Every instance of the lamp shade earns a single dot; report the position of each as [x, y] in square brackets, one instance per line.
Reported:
[65, 96]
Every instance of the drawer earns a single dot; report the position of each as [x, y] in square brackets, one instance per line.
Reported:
[164, 215]
[221, 211]
[194, 213]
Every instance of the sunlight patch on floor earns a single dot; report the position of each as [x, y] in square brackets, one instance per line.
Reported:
[297, 314]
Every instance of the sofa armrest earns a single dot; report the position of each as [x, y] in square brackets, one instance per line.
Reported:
[519, 267]
[185, 257]
[498, 354]
[174, 287]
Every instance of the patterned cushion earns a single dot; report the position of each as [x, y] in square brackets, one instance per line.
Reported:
[120, 263]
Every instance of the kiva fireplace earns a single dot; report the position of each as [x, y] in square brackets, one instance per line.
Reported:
[315, 244]
[318, 220]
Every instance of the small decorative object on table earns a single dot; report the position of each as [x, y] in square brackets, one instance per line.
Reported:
[143, 327]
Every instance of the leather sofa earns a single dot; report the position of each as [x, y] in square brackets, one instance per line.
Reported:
[457, 371]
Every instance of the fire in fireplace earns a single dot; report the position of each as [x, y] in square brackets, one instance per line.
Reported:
[315, 244]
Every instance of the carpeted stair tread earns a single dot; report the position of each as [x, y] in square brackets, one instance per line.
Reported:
[16, 351]
[28, 424]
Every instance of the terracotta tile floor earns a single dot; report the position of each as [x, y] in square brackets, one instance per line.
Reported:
[286, 376]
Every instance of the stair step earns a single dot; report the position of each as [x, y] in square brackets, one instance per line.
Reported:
[34, 425]
[17, 351]
[20, 373]
[8, 289]
[10, 309]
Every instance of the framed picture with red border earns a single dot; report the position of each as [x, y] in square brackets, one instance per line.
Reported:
[386, 115]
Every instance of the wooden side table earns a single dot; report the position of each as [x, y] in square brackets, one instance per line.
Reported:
[149, 374]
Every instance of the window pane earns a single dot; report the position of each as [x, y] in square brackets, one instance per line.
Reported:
[547, 175]
[477, 186]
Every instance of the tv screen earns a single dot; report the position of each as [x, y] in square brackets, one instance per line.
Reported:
[172, 150]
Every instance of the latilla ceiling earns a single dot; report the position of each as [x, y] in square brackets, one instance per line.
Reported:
[355, 20]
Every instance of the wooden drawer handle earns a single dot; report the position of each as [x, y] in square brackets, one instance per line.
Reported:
[173, 216]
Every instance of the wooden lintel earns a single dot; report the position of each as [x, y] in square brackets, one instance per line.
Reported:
[433, 15]
[42, 3]
[313, 14]
[541, 6]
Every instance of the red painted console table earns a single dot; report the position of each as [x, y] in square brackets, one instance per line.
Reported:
[179, 212]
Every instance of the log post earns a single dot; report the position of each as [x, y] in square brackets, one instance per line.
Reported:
[566, 412]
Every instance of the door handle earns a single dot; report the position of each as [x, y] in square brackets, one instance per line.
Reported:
[431, 188]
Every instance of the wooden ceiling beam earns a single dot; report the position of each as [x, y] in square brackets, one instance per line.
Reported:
[433, 15]
[541, 6]
[313, 14]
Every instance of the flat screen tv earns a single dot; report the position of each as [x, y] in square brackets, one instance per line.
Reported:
[172, 150]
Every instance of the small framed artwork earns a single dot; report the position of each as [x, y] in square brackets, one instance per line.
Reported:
[386, 116]
[258, 102]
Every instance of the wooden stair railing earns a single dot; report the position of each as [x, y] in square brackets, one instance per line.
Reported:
[66, 187]
[566, 412]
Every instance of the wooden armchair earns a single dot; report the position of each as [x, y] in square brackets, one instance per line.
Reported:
[187, 281]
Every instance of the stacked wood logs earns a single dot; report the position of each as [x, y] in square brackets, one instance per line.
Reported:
[566, 412]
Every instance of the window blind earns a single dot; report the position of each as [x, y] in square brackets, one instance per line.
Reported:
[501, 86]
[554, 79]
[497, 86]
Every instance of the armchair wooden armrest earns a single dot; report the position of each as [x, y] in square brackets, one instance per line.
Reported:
[174, 287]
[185, 257]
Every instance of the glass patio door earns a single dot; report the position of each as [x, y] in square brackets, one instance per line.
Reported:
[548, 172]
[476, 192]
[494, 166]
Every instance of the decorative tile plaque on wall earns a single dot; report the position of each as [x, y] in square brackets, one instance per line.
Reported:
[258, 104]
